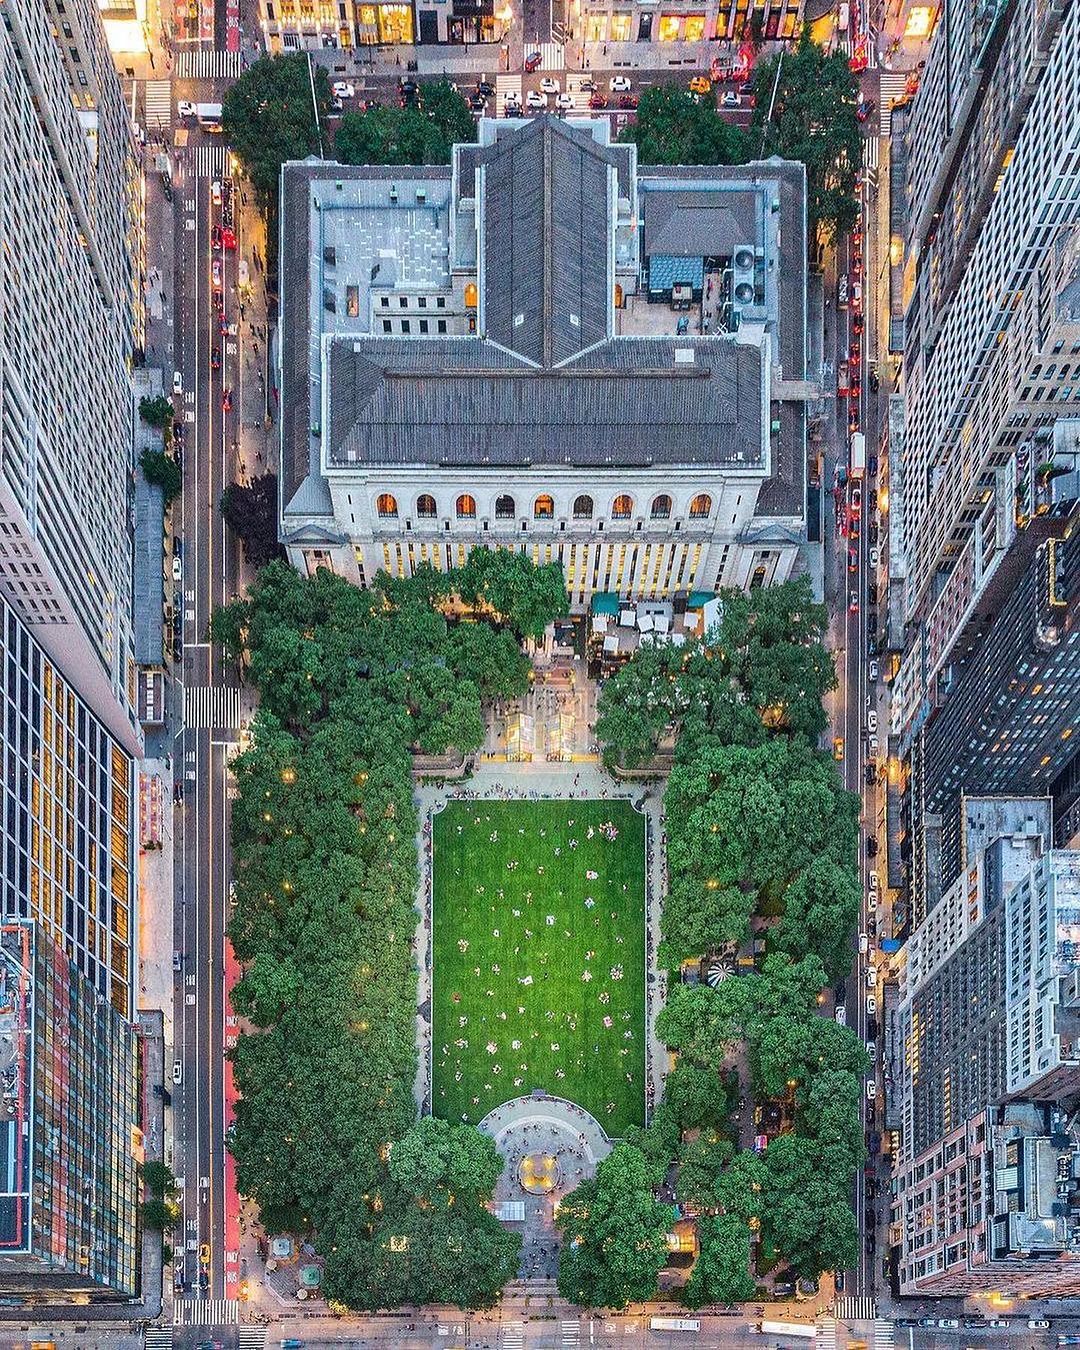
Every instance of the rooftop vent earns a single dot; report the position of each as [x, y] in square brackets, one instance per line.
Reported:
[744, 257]
[684, 356]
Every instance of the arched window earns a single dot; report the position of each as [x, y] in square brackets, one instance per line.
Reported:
[505, 508]
[622, 508]
[386, 505]
[466, 507]
[700, 506]
[661, 507]
[470, 295]
[425, 506]
[583, 507]
[543, 507]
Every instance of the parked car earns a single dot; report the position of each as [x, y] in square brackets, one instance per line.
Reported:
[871, 1089]
[871, 720]
[215, 274]
[856, 499]
[619, 84]
[343, 89]
[998, 1322]
[177, 570]
[838, 747]
[875, 558]
[871, 977]
[215, 192]
[841, 1015]
[215, 236]
[871, 1005]
[1038, 1324]
[853, 560]
[564, 102]
[864, 943]
[548, 85]
[731, 99]
[535, 100]
[177, 1071]
[701, 84]
[872, 672]
[597, 100]
[178, 960]
[842, 291]
[871, 1050]
[177, 382]
[948, 1324]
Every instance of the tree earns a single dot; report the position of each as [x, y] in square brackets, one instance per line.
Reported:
[703, 1023]
[526, 595]
[490, 659]
[721, 1272]
[701, 1166]
[160, 1214]
[268, 117]
[163, 471]
[831, 1114]
[821, 913]
[698, 1096]
[614, 1234]
[423, 133]
[813, 120]
[251, 512]
[806, 1215]
[673, 127]
[738, 1189]
[437, 1156]
[157, 412]
[158, 1178]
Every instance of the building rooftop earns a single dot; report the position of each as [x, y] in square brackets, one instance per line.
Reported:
[537, 245]
[461, 401]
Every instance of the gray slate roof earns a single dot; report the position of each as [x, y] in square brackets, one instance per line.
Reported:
[697, 224]
[546, 240]
[471, 402]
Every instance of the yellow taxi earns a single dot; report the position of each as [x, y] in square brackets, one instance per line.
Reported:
[701, 84]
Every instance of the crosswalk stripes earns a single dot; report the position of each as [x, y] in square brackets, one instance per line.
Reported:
[571, 1333]
[207, 1312]
[826, 1333]
[892, 87]
[870, 152]
[862, 1309]
[157, 103]
[252, 1337]
[211, 708]
[211, 161]
[552, 56]
[158, 1338]
[883, 1334]
[512, 1336]
[208, 65]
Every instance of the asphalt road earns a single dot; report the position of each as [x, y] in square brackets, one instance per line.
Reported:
[208, 580]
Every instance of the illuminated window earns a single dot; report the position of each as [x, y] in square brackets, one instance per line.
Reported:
[466, 507]
[621, 27]
[543, 508]
[505, 508]
[596, 28]
[695, 28]
[669, 28]
[700, 506]
[386, 505]
[622, 508]
[425, 506]
[661, 507]
[583, 507]
[470, 295]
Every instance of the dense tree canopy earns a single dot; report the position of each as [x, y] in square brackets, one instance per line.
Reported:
[614, 1234]
[324, 855]
[813, 120]
[420, 133]
[673, 126]
[268, 117]
[721, 1273]
[507, 583]
[251, 512]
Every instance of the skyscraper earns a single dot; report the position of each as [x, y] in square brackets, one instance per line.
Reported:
[993, 159]
[70, 328]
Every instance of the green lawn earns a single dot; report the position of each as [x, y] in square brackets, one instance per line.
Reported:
[539, 968]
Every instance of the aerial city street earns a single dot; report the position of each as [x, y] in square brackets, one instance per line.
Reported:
[540, 601]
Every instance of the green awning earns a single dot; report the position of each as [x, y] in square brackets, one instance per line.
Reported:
[699, 599]
[605, 602]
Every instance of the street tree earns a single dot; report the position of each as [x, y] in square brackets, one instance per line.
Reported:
[813, 120]
[251, 512]
[435, 1156]
[420, 133]
[703, 1023]
[157, 411]
[526, 595]
[698, 1095]
[163, 471]
[614, 1234]
[821, 913]
[806, 1214]
[721, 1273]
[701, 1166]
[269, 116]
[490, 658]
[673, 126]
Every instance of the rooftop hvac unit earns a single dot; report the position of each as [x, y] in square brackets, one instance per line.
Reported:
[742, 275]
[744, 293]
